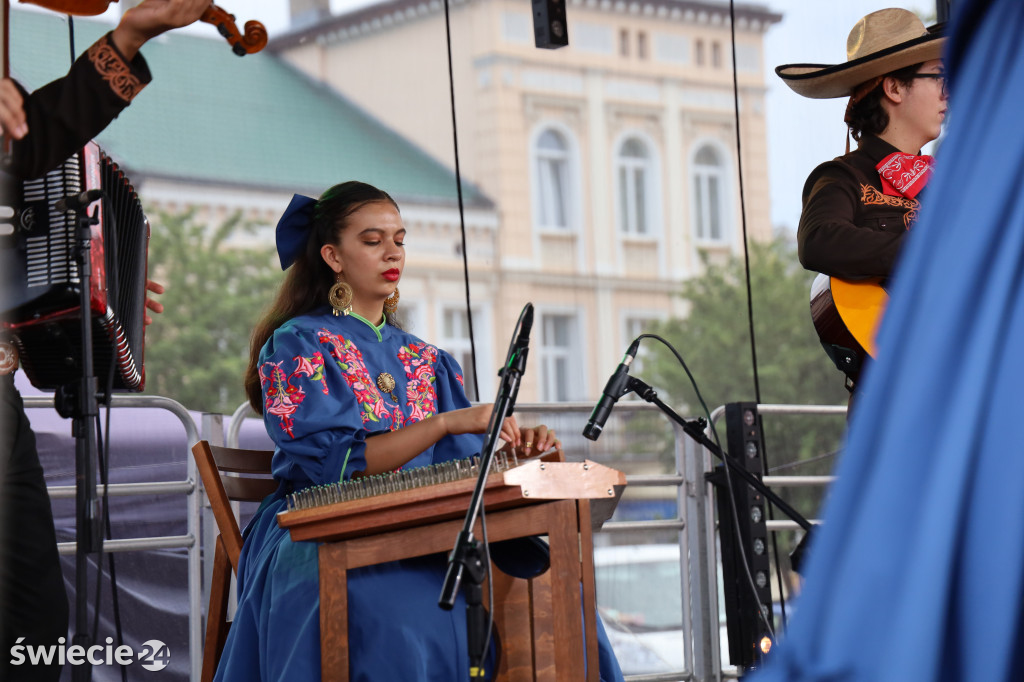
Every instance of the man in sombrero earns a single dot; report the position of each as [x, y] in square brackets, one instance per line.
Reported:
[858, 207]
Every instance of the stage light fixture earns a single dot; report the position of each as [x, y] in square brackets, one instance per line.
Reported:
[550, 28]
[748, 593]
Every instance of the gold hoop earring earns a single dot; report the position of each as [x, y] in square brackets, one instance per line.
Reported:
[340, 298]
[391, 302]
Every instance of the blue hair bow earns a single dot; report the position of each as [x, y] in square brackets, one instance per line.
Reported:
[293, 229]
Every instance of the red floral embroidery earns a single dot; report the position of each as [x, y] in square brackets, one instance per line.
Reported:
[418, 360]
[348, 357]
[281, 397]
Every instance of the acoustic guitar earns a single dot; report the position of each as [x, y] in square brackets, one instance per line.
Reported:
[846, 314]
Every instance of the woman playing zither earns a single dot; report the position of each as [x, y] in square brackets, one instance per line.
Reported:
[345, 393]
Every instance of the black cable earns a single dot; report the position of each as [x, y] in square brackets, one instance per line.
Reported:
[750, 298]
[801, 462]
[71, 37]
[462, 212]
[111, 568]
[743, 203]
[102, 451]
[490, 591]
[728, 477]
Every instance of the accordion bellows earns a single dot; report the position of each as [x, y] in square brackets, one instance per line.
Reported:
[41, 304]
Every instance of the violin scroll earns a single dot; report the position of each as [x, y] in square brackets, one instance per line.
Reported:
[253, 40]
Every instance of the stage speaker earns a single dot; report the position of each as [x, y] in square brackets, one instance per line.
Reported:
[748, 590]
[550, 30]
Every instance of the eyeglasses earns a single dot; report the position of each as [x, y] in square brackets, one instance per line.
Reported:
[939, 77]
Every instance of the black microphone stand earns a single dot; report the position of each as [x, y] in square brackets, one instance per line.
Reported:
[469, 557]
[80, 403]
[695, 430]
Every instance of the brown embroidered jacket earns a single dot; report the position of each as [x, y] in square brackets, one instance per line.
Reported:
[849, 228]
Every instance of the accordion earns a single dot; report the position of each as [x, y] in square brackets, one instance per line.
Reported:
[41, 303]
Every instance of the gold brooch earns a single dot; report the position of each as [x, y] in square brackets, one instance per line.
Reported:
[386, 383]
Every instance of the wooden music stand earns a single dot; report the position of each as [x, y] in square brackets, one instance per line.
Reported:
[538, 621]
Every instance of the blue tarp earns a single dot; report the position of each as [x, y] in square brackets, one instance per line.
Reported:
[918, 573]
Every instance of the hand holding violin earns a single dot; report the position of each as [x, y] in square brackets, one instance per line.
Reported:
[153, 17]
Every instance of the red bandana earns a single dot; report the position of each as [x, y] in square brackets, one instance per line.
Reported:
[904, 175]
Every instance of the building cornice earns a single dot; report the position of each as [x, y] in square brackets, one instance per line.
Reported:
[385, 15]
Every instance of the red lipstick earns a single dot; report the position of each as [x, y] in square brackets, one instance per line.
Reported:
[392, 275]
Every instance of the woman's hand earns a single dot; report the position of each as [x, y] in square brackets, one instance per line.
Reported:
[476, 419]
[394, 449]
[538, 440]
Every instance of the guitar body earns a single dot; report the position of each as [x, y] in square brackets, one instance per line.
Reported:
[846, 314]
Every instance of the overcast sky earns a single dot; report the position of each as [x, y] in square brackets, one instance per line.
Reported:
[801, 132]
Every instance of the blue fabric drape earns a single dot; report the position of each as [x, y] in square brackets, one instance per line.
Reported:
[918, 573]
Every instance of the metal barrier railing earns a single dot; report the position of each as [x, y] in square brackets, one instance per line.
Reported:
[694, 522]
[790, 481]
[188, 487]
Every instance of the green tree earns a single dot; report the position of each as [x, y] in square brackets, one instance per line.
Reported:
[714, 340]
[197, 349]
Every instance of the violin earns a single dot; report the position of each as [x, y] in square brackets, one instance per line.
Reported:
[252, 40]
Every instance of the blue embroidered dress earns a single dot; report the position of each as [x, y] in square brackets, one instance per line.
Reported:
[321, 402]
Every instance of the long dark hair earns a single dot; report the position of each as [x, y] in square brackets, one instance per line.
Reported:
[309, 278]
[868, 116]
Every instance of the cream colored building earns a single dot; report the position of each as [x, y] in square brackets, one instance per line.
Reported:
[611, 162]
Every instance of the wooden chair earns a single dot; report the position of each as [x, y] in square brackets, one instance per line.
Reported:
[228, 474]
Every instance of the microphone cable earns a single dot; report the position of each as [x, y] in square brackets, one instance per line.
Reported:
[765, 618]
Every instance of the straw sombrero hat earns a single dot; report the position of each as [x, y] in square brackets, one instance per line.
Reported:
[881, 42]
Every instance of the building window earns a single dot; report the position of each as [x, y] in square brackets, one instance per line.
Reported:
[716, 55]
[455, 340]
[552, 159]
[708, 194]
[699, 48]
[633, 167]
[624, 42]
[641, 45]
[559, 358]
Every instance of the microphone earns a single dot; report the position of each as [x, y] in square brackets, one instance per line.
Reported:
[77, 202]
[613, 390]
[517, 355]
[523, 340]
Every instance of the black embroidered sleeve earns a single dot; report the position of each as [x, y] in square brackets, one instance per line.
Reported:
[65, 114]
[124, 78]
